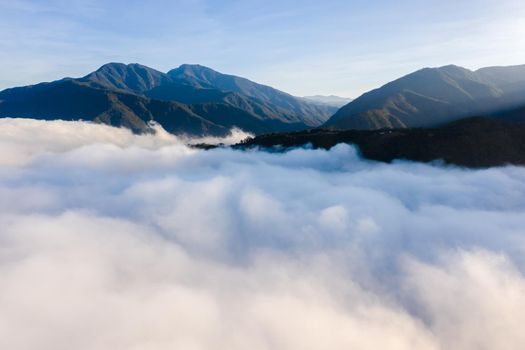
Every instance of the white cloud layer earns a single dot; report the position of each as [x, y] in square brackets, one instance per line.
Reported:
[110, 240]
[23, 139]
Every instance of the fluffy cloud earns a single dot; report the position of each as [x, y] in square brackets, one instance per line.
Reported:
[112, 240]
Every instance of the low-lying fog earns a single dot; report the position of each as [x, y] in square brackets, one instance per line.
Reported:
[110, 240]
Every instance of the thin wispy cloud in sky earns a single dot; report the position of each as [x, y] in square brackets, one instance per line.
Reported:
[304, 47]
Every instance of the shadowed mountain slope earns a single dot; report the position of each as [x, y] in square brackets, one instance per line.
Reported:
[133, 78]
[132, 95]
[71, 100]
[432, 96]
[471, 142]
[311, 113]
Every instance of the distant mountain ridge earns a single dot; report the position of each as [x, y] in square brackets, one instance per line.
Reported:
[331, 100]
[132, 95]
[198, 84]
[197, 100]
[433, 96]
[311, 113]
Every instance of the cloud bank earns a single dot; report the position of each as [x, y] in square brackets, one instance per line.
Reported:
[110, 240]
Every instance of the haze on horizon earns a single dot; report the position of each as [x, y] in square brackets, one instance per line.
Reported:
[302, 47]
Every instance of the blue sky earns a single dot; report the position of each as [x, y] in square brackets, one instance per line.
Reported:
[303, 47]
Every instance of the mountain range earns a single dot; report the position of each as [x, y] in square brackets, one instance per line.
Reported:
[433, 96]
[190, 99]
[196, 100]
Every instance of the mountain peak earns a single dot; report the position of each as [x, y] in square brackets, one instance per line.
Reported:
[111, 65]
[431, 96]
[196, 74]
[203, 77]
[120, 76]
[121, 67]
[189, 66]
[453, 67]
[458, 72]
[118, 66]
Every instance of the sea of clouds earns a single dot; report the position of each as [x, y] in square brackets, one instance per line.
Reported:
[110, 240]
